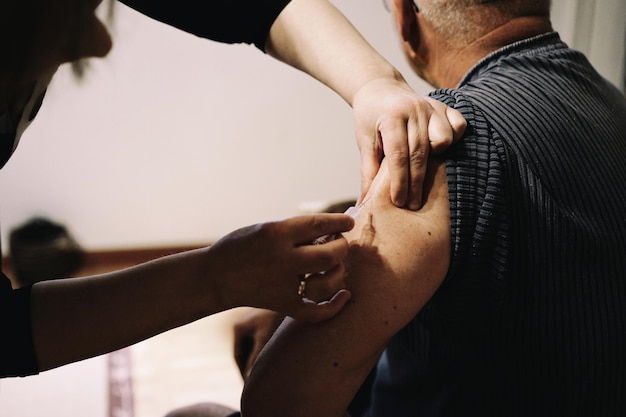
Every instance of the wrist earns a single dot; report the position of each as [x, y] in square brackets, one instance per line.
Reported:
[377, 84]
[214, 282]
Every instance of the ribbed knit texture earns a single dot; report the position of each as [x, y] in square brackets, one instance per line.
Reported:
[531, 320]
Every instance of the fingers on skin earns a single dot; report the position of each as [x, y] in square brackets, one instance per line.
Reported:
[319, 258]
[394, 134]
[371, 155]
[406, 144]
[370, 164]
[380, 185]
[315, 312]
[322, 286]
[306, 229]
[419, 146]
[324, 295]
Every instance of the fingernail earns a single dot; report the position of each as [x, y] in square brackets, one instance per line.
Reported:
[415, 206]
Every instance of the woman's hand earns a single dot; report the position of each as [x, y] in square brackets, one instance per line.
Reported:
[392, 121]
[275, 266]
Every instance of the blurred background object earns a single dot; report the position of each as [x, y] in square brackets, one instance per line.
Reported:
[41, 249]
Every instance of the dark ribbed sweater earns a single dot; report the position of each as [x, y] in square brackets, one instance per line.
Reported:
[531, 319]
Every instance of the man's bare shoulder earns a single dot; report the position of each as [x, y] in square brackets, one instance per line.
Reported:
[398, 257]
[397, 260]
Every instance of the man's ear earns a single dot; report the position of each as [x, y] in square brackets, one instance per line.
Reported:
[406, 20]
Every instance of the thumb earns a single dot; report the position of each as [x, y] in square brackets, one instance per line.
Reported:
[370, 164]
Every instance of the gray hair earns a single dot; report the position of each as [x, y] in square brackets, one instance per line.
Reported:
[462, 20]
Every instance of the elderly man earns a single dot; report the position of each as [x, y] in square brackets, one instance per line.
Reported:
[506, 294]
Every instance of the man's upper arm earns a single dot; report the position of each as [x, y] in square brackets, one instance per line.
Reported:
[398, 258]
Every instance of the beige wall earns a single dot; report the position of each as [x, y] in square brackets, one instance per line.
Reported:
[177, 140]
[597, 28]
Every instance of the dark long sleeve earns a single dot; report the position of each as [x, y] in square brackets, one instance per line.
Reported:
[243, 21]
[17, 351]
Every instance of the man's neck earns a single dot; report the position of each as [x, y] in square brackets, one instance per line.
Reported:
[453, 64]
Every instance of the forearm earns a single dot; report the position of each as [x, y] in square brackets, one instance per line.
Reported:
[313, 36]
[77, 318]
[306, 371]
